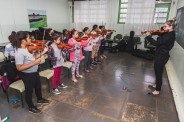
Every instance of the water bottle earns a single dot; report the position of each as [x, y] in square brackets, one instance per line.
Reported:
[5, 119]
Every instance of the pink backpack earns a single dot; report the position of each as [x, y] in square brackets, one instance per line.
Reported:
[5, 82]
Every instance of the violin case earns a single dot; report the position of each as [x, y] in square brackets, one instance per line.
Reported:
[146, 54]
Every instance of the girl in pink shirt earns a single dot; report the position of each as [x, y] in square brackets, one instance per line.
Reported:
[76, 55]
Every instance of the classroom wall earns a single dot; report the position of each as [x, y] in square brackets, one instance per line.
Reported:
[14, 16]
[175, 67]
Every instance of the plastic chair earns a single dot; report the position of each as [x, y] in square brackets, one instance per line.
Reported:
[68, 65]
[149, 46]
[47, 74]
[2, 57]
[19, 86]
[137, 40]
[13, 83]
[118, 38]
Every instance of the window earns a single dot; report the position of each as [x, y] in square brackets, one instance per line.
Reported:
[90, 11]
[161, 12]
[123, 5]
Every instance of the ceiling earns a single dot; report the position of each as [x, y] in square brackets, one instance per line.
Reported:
[166, 0]
[156, 0]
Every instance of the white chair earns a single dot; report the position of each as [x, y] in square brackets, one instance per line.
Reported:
[47, 74]
[45, 56]
[42, 59]
[2, 57]
[19, 86]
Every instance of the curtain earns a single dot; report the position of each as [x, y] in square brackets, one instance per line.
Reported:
[140, 16]
[88, 13]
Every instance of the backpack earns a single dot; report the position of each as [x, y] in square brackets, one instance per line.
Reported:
[5, 82]
[9, 74]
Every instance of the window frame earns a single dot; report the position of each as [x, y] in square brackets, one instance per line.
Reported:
[162, 5]
[119, 11]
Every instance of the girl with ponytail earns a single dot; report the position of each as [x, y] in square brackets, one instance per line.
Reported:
[57, 61]
[27, 64]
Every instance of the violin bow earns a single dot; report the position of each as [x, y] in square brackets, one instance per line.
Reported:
[44, 34]
[43, 40]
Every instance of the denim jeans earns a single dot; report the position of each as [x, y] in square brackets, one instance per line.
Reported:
[87, 60]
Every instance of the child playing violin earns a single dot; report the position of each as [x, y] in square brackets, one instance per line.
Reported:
[102, 43]
[96, 46]
[32, 37]
[65, 40]
[87, 51]
[76, 55]
[65, 36]
[48, 34]
[57, 62]
[27, 64]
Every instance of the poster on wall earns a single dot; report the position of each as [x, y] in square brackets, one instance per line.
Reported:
[37, 18]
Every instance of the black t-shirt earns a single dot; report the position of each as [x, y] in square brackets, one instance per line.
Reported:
[164, 43]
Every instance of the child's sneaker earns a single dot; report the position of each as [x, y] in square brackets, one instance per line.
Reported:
[56, 91]
[87, 71]
[91, 67]
[62, 86]
[98, 62]
[94, 63]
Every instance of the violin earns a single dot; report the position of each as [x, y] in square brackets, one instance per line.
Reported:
[81, 39]
[106, 30]
[34, 48]
[63, 46]
[92, 35]
[156, 32]
[40, 42]
[100, 33]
